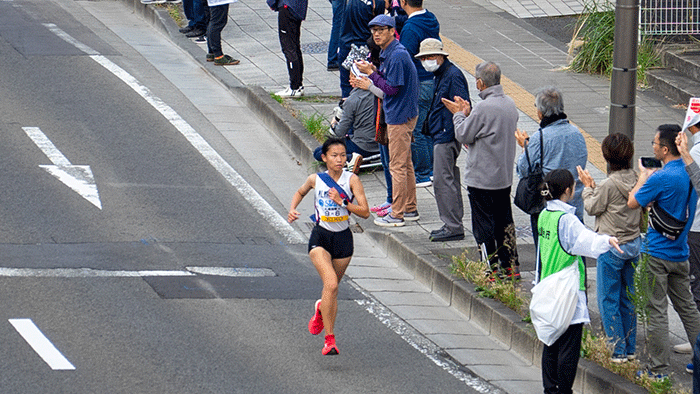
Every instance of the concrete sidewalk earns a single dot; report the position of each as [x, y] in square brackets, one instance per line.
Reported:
[472, 31]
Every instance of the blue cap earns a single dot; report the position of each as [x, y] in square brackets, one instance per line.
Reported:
[382, 20]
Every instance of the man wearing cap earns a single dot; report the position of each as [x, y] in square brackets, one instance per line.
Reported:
[488, 132]
[449, 82]
[398, 79]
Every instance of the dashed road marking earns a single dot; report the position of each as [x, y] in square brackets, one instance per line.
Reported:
[41, 345]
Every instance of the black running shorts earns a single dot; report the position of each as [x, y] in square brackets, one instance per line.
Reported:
[339, 245]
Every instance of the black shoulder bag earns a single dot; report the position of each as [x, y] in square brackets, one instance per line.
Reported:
[527, 195]
[664, 223]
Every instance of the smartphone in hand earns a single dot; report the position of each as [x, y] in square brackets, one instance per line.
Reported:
[651, 162]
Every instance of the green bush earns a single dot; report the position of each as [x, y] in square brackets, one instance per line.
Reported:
[595, 29]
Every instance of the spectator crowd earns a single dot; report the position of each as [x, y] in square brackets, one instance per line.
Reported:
[404, 100]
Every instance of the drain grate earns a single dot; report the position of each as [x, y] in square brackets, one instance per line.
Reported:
[315, 47]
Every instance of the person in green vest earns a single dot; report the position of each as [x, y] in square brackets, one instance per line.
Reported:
[563, 239]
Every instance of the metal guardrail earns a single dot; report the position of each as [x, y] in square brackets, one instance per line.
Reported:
[669, 17]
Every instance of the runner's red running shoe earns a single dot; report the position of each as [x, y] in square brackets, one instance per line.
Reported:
[329, 348]
[316, 322]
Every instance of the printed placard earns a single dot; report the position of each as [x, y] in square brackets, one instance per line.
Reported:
[692, 116]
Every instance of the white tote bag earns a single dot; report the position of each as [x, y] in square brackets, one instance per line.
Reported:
[554, 302]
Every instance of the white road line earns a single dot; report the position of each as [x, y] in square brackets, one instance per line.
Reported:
[41, 345]
[79, 178]
[199, 143]
[231, 272]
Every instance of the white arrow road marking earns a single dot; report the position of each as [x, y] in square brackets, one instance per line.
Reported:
[196, 140]
[78, 178]
[38, 341]
[93, 273]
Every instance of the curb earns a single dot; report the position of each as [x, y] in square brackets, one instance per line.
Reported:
[494, 317]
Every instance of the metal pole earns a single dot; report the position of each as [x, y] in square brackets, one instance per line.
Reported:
[623, 83]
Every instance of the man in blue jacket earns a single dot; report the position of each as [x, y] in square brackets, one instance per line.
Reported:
[421, 24]
[449, 82]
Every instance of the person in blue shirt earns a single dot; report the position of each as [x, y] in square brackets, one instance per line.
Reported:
[398, 79]
[667, 265]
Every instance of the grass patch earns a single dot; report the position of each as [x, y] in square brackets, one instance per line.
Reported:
[277, 98]
[595, 30]
[504, 290]
[175, 11]
[315, 124]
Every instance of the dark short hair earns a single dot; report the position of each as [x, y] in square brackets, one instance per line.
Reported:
[618, 151]
[555, 183]
[415, 3]
[667, 137]
[330, 142]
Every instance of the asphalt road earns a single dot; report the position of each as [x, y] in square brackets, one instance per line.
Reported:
[74, 267]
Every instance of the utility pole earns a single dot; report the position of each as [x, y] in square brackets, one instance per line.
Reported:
[623, 84]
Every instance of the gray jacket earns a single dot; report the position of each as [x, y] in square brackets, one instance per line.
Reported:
[489, 133]
[359, 111]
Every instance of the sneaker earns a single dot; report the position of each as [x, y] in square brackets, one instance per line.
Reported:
[289, 92]
[186, 29]
[173, 1]
[683, 348]
[689, 368]
[225, 60]
[652, 375]
[152, 1]
[316, 322]
[427, 183]
[631, 357]
[380, 207]
[389, 221]
[210, 57]
[195, 33]
[329, 347]
[618, 359]
[355, 163]
[446, 235]
[411, 216]
[384, 212]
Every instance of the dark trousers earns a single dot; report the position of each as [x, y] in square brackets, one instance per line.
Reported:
[289, 29]
[218, 16]
[559, 361]
[345, 87]
[492, 224]
[196, 14]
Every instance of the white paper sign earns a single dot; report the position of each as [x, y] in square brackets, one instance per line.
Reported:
[692, 116]
[214, 3]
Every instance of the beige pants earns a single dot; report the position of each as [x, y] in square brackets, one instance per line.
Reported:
[403, 178]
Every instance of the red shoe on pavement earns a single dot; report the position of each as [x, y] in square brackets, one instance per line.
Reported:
[316, 322]
[329, 348]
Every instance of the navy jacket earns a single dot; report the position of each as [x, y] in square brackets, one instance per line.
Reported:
[356, 17]
[297, 7]
[449, 82]
[416, 29]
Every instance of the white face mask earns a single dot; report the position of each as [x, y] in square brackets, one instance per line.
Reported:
[430, 65]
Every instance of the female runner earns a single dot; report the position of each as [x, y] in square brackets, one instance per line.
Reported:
[330, 243]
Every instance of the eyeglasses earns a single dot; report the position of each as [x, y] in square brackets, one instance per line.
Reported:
[656, 143]
[376, 30]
